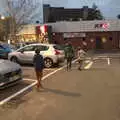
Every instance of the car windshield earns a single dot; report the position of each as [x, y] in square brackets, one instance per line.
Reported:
[58, 47]
[9, 46]
[5, 46]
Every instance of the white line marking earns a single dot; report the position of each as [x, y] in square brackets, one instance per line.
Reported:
[87, 61]
[108, 60]
[17, 93]
[104, 56]
[47, 69]
[88, 66]
[26, 79]
[30, 86]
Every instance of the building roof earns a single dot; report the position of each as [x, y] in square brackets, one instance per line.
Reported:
[86, 26]
[80, 26]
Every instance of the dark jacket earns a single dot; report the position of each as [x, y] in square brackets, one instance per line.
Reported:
[69, 51]
[38, 62]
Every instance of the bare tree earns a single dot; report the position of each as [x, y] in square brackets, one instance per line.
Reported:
[3, 28]
[21, 12]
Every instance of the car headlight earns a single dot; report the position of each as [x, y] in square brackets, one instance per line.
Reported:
[2, 82]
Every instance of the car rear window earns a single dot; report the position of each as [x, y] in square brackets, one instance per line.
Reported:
[58, 47]
[42, 47]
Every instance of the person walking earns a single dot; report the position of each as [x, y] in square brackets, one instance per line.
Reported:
[81, 57]
[69, 54]
[38, 62]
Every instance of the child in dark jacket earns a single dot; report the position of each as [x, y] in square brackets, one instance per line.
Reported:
[38, 62]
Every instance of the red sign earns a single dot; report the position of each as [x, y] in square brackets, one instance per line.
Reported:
[38, 31]
[102, 25]
[105, 25]
[44, 29]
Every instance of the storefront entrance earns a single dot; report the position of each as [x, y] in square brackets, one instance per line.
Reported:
[99, 44]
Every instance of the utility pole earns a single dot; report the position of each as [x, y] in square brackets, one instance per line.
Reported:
[42, 5]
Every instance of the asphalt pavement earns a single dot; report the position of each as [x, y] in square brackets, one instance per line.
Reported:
[91, 94]
[29, 78]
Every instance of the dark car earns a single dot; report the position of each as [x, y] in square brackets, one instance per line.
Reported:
[5, 50]
[10, 73]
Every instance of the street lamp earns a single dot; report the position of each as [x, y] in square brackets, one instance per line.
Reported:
[42, 3]
[2, 17]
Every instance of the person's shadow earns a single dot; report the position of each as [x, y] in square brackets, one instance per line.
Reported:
[63, 93]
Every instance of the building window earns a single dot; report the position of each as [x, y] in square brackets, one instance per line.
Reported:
[83, 39]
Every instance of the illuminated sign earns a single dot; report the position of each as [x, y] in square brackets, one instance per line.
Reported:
[44, 29]
[102, 25]
[41, 29]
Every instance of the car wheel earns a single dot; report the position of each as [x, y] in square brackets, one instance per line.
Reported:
[14, 59]
[48, 62]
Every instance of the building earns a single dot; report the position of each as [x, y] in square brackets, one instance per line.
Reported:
[35, 33]
[98, 34]
[53, 14]
[27, 34]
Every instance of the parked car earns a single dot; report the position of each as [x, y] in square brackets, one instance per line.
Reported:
[10, 73]
[5, 50]
[22, 44]
[53, 54]
[19, 45]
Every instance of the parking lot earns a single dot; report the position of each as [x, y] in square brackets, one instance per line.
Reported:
[29, 78]
[82, 93]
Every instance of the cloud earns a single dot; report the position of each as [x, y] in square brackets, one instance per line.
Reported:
[75, 3]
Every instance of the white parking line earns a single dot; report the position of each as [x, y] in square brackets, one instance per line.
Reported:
[30, 86]
[108, 60]
[88, 66]
[26, 79]
[17, 93]
[48, 69]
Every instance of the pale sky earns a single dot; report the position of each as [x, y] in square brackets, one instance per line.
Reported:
[109, 8]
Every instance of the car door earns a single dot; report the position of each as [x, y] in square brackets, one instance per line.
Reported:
[2, 51]
[43, 49]
[27, 53]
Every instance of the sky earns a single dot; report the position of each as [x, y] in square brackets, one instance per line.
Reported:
[109, 8]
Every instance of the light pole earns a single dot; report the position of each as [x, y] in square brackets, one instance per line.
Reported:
[42, 14]
[2, 17]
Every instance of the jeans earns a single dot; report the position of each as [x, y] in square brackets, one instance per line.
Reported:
[69, 63]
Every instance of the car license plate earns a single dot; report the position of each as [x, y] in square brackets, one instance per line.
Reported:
[14, 77]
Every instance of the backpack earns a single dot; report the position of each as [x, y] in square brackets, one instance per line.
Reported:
[69, 52]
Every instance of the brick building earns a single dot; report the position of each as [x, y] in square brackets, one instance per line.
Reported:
[98, 34]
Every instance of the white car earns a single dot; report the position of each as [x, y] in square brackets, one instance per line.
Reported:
[53, 54]
[10, 73]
